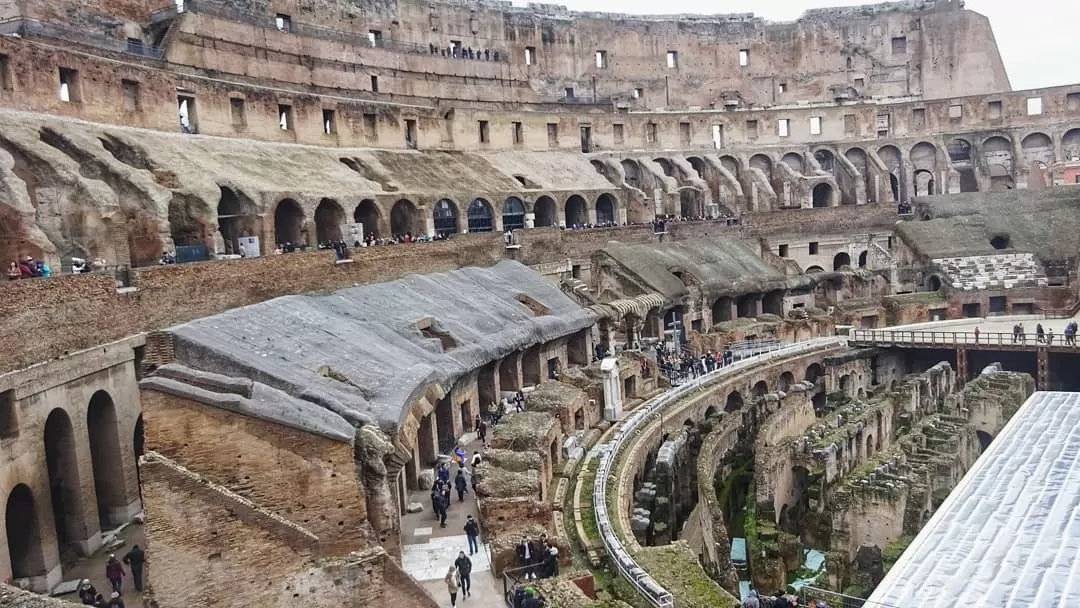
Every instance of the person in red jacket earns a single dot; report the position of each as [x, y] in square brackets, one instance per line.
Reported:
[114, 571]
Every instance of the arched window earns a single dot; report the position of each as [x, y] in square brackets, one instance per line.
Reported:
[513, 215]
[446, 218]
[480, 216]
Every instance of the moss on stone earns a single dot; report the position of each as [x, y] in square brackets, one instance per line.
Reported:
[494, 482]
[513, 461]
[894, 550]
[677, 569]
[552, 396]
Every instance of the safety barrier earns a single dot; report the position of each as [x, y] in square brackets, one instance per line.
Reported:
[624, 563]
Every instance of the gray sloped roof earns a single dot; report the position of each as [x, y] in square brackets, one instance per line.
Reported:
[359, 351]
[722, 266]
[1042, 222]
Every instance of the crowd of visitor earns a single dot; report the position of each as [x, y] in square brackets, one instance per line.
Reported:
[28, 268]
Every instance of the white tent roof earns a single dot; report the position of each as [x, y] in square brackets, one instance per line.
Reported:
[1009, 534]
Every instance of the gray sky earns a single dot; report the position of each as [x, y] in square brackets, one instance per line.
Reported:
[1037, 38]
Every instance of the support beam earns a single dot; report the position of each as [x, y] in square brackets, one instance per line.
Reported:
[1043, 365]
[961, 365]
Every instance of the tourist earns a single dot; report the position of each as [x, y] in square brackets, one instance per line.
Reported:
[442, 503]
[435, 499]
[13, 273]
[115, 601]
[114, 571]
[452, 584]
[1050, 336]
[25, 271]
[1040, 334]
[481, 431]
[472, 531]
[976, 334]
[87, 593]
[752, 600]
[525, 556]
[531, 599]
[445, 494]
[459, 456]
[135, 560]
[444, 472]
[476, 459]
[464, 569]
[551, 561]
[461, 484]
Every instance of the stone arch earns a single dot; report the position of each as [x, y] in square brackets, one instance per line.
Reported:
[761, 388]
[446, 217]
[289, 223]
[666, 165]
[857, 156]
[869, 445]
[933, 283]
[984, 440]
[368, 215]
[890, 156]
[1037, 148]
[845, 384]
[711, 411]
[1070, 145]
[699, 166]
[106, 454]
[763, 163]
[787, 379]
[545, 212]
[480, 216]
[513, 215]
[605, 209]
[405, 218]
[841, 260]
[795, 161]
[632, 173]
[826, 159]
[924, 155]
[691, 203]
[65, 487]
[576, 213]
[997, 154]
[924, 183]
[731, 164]
[734, 402]
[813, 372]
[329, 221]
[822, 195]
[862, 258]
[721, 310]
[959, 150]
[237, 217]
[24, 534]
[813, 269]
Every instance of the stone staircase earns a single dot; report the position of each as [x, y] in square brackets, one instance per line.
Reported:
[1004, 271]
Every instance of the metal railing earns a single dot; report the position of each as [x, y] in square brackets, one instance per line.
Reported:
[624, 563]
[953, 338]
[28, 28]
[836, 600]
[513, 578]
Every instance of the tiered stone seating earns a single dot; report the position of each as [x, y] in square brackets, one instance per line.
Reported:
[1003, 271]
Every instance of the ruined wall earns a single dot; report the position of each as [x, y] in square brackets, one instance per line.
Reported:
[250, 547]
[773, 459]
[310, 479]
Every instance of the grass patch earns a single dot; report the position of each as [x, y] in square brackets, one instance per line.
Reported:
[676, 568]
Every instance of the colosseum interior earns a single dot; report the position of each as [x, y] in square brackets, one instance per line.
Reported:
[274, 266]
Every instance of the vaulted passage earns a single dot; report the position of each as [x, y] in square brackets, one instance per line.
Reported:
[405, 219]
[822, 195]
[105, 451]
[236, 218]
[329, 221]
[289, 223]
[605, 209]
[576, 213]
[446, 217]
[513, 215]
[23, 534]
[481, 219]
[367, 214]
[544, 212]
[62, 464]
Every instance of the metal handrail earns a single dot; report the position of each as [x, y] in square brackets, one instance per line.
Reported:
[625, 564]
[32, 27]
[951, 338]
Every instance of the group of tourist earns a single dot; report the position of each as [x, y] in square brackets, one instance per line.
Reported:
[1042, 335]
[538, 557]
[780, 600]
[115, 573]
[442, 488]
[457, 52]
[678, 367]
[28, 268]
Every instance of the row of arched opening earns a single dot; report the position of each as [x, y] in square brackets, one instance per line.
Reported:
[237, 217]
[26, 533]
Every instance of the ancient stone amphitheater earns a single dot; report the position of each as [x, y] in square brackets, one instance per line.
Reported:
[271, 265]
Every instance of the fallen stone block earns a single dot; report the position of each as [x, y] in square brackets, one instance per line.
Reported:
[414, 507]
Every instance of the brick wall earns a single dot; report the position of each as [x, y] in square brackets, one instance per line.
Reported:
[306, 478]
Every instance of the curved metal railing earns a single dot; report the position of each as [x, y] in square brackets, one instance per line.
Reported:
[627, 567]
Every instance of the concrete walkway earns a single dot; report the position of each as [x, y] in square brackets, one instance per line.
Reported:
[428, 551]
[992, 330]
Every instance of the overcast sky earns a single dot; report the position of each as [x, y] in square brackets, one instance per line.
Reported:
[1038, 39]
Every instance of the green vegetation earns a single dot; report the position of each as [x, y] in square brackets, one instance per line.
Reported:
[894, 549]
[676, 568]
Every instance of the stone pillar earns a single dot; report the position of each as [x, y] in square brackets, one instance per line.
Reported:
[429, 224]
[609, 367]
[758, 306]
